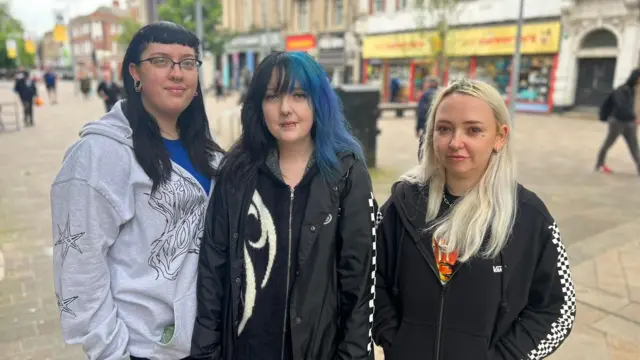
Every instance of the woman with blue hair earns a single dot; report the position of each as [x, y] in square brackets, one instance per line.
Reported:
[287, 259]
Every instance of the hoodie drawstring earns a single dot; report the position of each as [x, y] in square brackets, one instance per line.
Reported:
[504, 306]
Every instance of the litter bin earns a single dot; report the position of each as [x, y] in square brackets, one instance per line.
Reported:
[360, 106]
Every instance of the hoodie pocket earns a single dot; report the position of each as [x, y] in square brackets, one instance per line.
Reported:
[457, 345]
[413, 341]
[179, 345]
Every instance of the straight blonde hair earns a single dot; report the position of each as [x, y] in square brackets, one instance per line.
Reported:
[486, 210]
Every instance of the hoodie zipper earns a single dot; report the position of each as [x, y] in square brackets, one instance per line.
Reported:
[441, 316]
[442, 298]
[286, 297]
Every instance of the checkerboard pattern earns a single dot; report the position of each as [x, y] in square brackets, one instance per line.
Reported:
[376, 217]
[561, 327]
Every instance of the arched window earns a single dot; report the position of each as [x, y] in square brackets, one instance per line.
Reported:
[599, 38]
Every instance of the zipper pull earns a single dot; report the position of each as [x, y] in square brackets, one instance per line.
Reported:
[292, 190]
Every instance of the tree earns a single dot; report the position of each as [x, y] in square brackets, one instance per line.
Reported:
[129, 28]
[11, 27]
[443, 12]
[183, 12]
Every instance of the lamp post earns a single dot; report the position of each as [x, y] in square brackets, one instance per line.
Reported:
[515, 65]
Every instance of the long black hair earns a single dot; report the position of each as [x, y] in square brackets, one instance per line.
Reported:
[193, 124]
[330, 132]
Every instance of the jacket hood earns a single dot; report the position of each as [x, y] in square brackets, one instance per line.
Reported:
[113, 124]
[632, 81]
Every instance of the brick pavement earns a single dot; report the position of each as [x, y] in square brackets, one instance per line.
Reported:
[598, 216]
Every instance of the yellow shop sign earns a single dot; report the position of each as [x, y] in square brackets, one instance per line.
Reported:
[403, 45]
[537, 38]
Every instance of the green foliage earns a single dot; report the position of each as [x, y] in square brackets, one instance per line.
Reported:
[183, 12]
[129, 28]
[12, 27]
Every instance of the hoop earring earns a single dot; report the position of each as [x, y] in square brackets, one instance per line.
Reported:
[137, 85]
[196, 94]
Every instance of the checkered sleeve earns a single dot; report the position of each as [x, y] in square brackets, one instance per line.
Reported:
[549, 316]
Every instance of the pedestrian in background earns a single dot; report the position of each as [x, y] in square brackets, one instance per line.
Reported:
[108, 90]
[128, 208]
[27, 91]
[471, 264]
[286, 264]
[431, 84]
[621, 110]
[51, 83]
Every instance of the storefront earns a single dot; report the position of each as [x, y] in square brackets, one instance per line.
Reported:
[332, 56]
[399, 61]
[486, 53]
[483, 53]
[247, 51]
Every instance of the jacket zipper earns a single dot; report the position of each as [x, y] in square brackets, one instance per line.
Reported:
[441, 317]
[286, 297]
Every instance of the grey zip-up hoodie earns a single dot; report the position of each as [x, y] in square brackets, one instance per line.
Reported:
[125, 260]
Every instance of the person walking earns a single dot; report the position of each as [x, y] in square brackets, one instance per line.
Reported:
[471, 264]
[621, 111]
[27, 91]
[128, 208]
[51, 83]
[287, 259]
[430, 88]
[109, 91]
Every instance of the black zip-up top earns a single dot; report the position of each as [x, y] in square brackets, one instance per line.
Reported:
[288, 273]
[520, 305]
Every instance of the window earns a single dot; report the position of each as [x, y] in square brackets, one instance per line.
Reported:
[303, 15]
[327, 13]
[338, 12]
[402, 4]
[378, 5]
[246, 7]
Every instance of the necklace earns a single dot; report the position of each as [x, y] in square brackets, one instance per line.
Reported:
[446, 201]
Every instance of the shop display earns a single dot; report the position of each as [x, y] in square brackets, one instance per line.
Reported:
[495, 71]
[535, 78]
[459, 69]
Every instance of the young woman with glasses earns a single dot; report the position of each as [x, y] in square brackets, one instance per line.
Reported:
[128, 207]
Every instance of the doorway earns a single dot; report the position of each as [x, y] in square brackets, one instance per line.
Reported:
[595, 80]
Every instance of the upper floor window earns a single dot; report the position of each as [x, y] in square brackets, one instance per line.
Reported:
[246, 8]
[338, 12]
[402, 4]
[303, 15]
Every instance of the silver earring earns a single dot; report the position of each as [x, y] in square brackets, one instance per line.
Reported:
[137, 85]
[196, 94]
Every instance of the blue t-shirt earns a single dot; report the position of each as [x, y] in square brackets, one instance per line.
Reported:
[179, 155]
[50, 79]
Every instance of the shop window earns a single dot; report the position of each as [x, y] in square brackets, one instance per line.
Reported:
[494, 71]
[599, 38]
[399, 79]
[423, 69]
[459, 69]
[535, 79]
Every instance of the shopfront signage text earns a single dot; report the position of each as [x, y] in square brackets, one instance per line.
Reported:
[537, 38]
[326, 42]
[300, 42]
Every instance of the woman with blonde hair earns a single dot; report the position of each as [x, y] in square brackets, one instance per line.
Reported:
[470, 263]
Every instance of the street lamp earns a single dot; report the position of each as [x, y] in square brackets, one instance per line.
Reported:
[515, 66]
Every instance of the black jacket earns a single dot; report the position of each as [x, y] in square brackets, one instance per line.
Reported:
[331, 298]
[519, 306]
[26, 89]
[620, 102]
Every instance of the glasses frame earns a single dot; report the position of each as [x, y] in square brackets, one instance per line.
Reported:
[173, 63]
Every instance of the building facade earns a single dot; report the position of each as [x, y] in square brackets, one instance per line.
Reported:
[402, 45]
[323, 28]
[600, 48]
[94, 42]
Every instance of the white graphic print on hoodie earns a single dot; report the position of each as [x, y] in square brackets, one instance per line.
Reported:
[125, 260]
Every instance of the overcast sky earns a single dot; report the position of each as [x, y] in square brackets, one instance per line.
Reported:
[37, 15]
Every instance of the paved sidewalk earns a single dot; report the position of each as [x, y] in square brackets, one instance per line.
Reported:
[598, 215]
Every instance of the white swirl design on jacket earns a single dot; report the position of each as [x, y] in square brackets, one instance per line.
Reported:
[258, 210]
